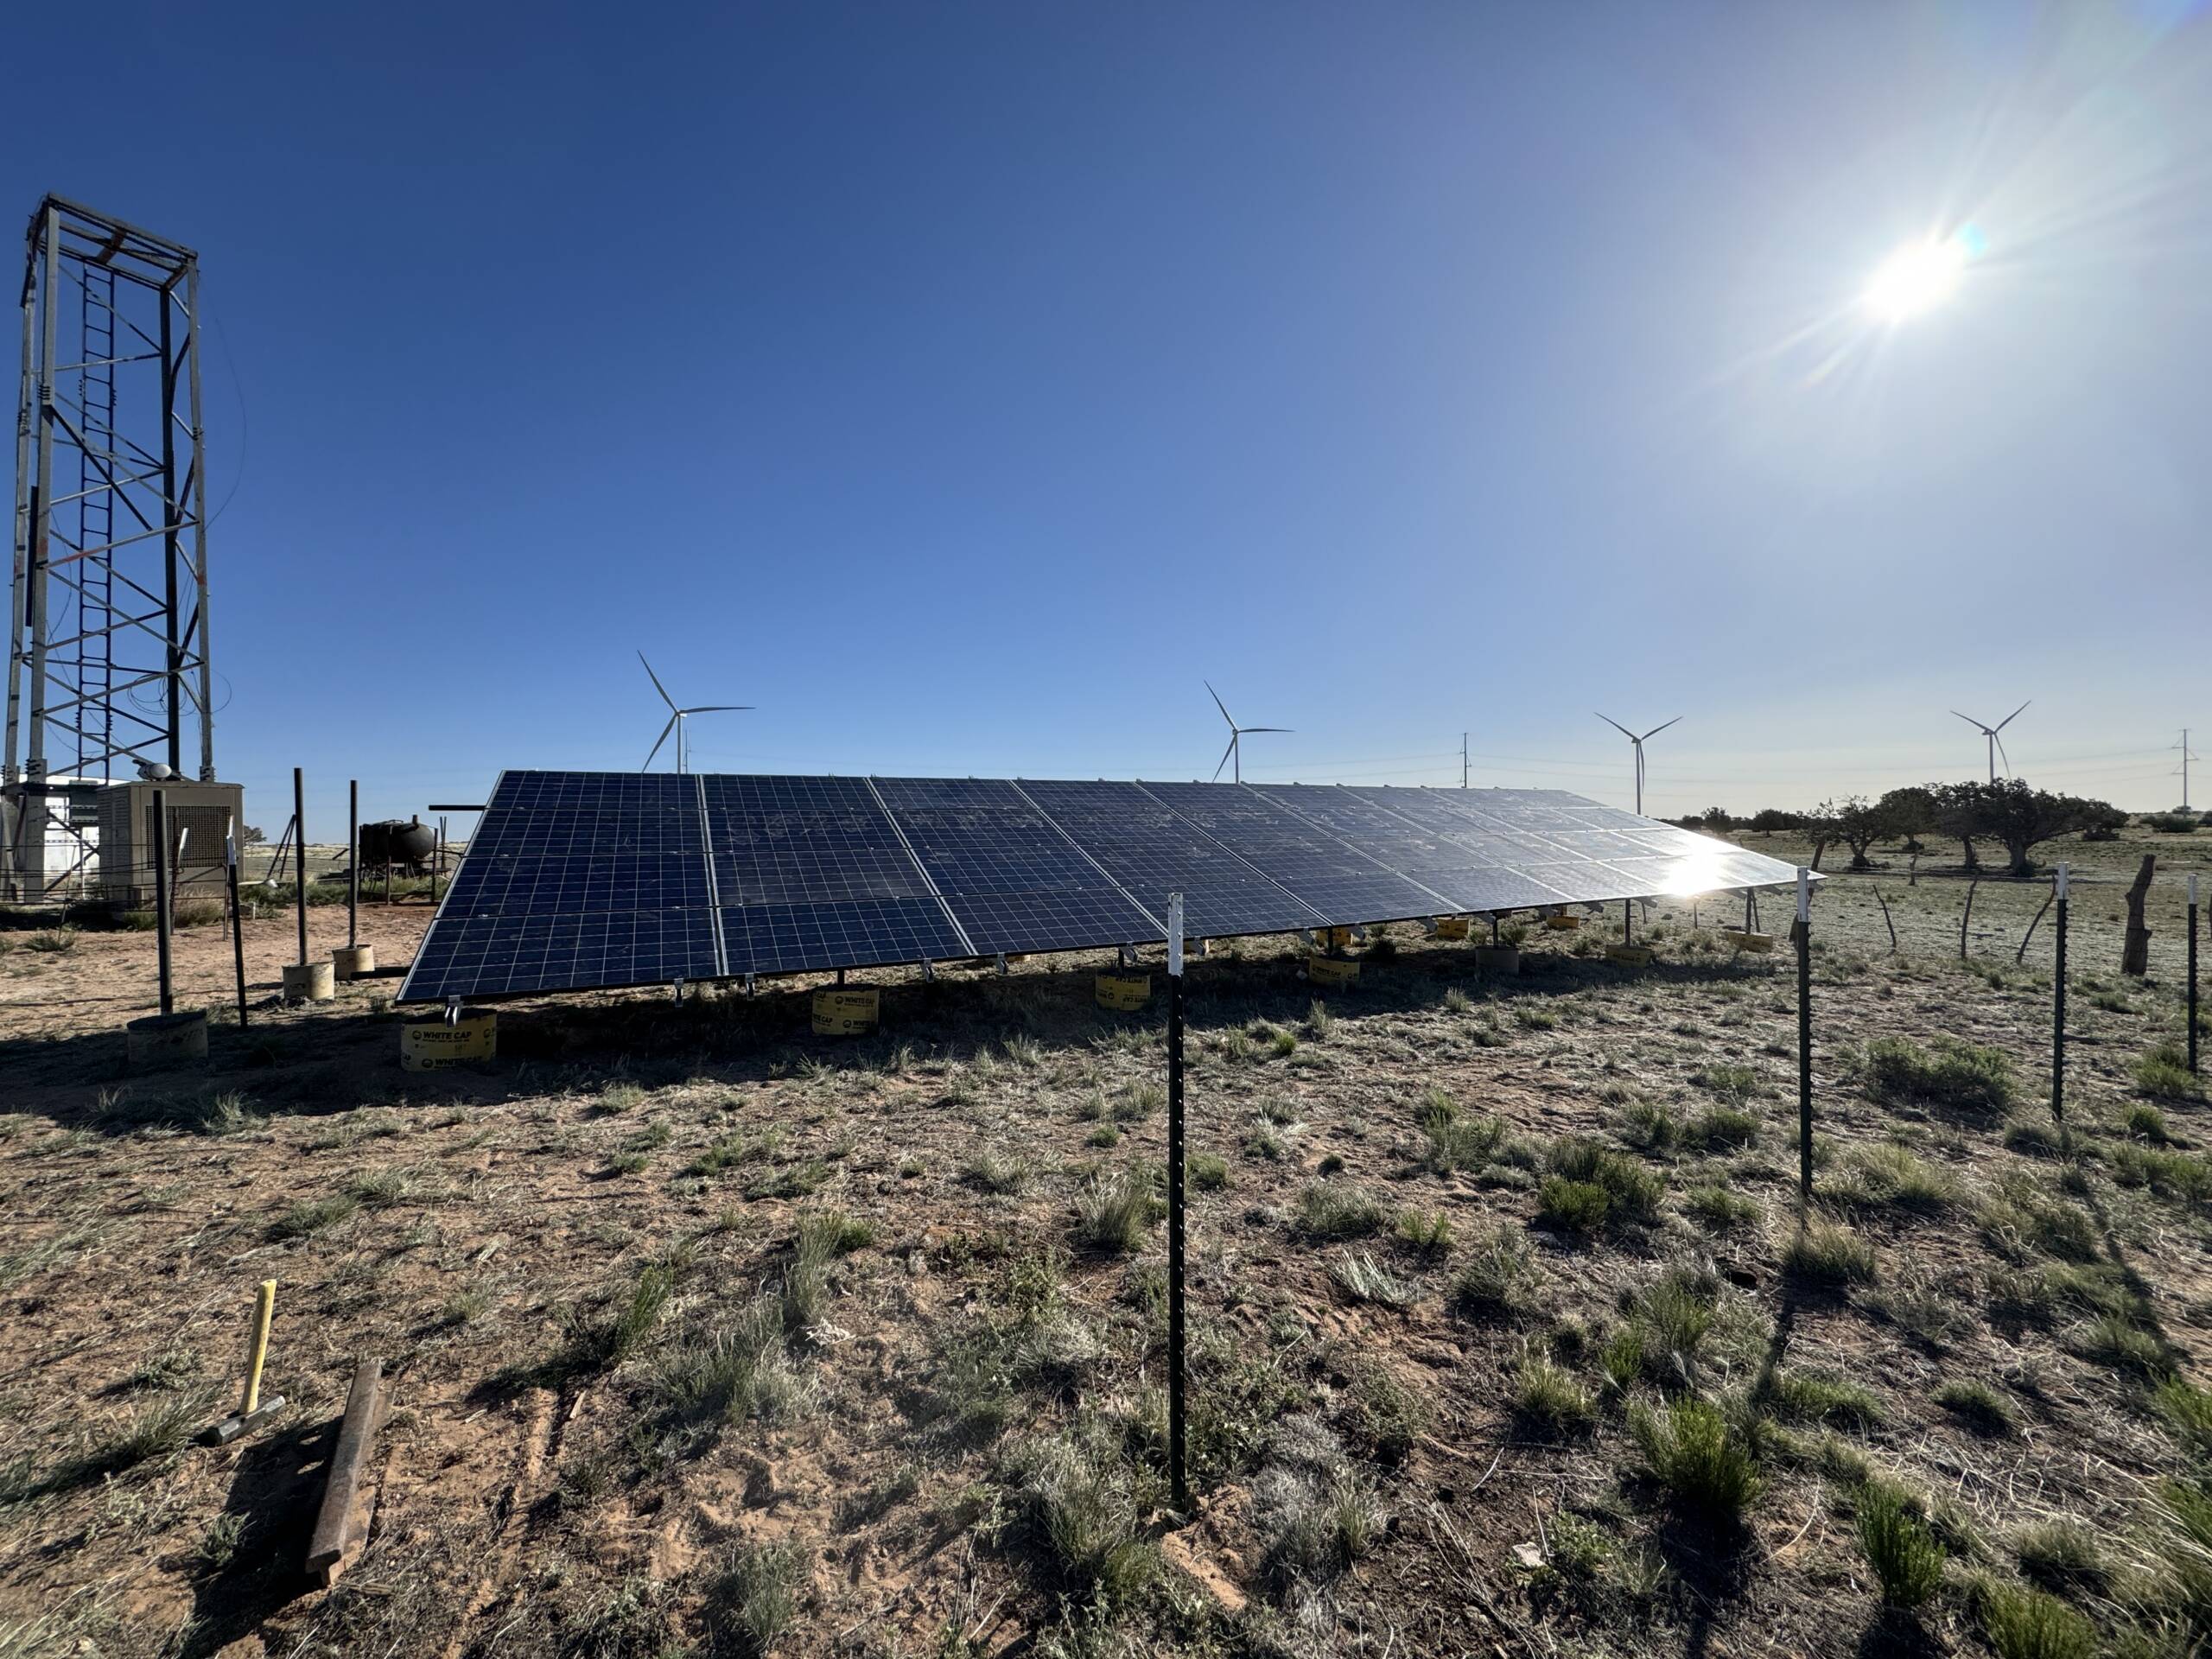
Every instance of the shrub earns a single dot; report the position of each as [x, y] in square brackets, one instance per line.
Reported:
[2023, 1623]
[1706, 1468]
[1964, 1077]
[1903, 1553]
[1207, 1172]
[1822, 1254]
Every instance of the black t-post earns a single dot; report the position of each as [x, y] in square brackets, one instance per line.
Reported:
[1179, 1479]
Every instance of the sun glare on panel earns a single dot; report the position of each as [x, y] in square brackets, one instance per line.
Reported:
[1918, 277]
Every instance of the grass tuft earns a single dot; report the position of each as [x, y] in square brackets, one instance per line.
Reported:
[1828, 1255]
[1977, 1406]
[1330, 1210]
[1705, 1467]
[2023, 1623]
[1906, 1556]
[1114, 1212]
[1969, 1079]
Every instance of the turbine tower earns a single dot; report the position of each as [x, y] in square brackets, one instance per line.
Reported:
[1636, 743]
[677, 716]
[1996, 743]
[1232, 754]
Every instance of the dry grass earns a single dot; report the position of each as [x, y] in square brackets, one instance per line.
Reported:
[718, 1338]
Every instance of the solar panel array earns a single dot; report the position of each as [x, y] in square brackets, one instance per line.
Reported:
[584, 880]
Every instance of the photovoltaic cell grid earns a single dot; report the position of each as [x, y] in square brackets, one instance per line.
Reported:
[584, 880]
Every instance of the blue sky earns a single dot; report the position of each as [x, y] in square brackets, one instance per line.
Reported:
[960, 383]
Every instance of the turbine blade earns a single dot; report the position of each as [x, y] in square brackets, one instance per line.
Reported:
[2014, 716]
[1263, 729]
[1617, 727]
[718, 708]
[1218, 703]
[1655, 730]
[655, 678]
[657, 742]
[1972, 721]
[1225, 754]
[2002, 755]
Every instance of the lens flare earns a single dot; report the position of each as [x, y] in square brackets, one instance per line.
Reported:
[1921, 277]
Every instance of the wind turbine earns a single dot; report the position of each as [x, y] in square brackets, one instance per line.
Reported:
[675, 716]
[1232, 753]
[1996, 743]
[1637, 744]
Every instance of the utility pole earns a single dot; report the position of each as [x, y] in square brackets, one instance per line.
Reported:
[1463, 763]
[2186, 757]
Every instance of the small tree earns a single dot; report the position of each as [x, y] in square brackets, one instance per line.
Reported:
[2020, 816]
[1855, 820]
[1911, 813]
[1768, 819]
[1821, 827]
[1958, 808]
[251, 836]
[1716, 819]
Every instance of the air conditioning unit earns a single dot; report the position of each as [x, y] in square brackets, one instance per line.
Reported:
[200, 817]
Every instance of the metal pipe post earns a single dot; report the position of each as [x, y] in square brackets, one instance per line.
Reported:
[238, 921]
[353, 861]
[2058, 1010]
[162, 894]
[300, 854]
[1177, 1477]
[2192, 973]
[1805, 1035]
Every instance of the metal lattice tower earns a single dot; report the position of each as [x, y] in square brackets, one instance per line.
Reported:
[108, 667]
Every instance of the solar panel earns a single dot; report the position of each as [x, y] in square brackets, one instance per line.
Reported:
[1150, 850]
[812, 873]
[583, 880]
[1331, 874]
[1014, 880]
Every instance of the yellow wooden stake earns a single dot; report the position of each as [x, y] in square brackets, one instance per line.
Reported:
[265, 1310]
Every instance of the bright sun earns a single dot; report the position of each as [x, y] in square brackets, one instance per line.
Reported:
[1918, 277]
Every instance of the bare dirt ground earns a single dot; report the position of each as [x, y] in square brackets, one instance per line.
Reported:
[713, 1336]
